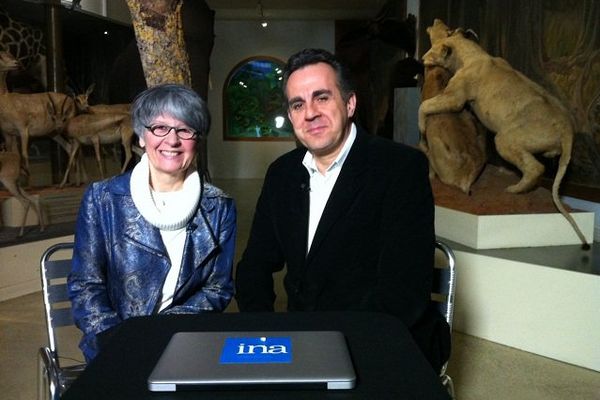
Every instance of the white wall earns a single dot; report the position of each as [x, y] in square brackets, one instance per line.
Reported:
[235, 41]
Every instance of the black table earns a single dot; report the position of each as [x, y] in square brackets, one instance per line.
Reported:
[388, 363]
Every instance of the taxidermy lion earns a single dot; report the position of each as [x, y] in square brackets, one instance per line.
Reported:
[454, 142]
[526, 119]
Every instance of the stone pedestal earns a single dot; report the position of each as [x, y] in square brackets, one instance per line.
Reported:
[492, 218]
[517, 230]
[545, 305]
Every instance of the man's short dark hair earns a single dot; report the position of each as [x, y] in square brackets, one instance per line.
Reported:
[314, 56]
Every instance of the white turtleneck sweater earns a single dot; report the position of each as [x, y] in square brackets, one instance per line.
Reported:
[170, 213]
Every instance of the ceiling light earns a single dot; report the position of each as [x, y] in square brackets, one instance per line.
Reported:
[261, 14]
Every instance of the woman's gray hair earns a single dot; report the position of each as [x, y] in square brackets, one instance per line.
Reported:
[177, 101]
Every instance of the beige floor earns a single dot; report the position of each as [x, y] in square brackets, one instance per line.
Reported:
[481, 369]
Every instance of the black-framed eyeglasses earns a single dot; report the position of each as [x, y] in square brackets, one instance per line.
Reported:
[163, 130]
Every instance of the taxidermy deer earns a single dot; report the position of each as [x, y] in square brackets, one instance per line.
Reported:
[526, 119]
[97, 129]
[10, 170]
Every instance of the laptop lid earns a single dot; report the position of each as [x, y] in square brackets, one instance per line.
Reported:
[262, 360]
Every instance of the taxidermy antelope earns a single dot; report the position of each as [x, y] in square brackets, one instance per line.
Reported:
[7, 63]
[10, 170]
[103, 108]
[109, 109]
[96, 125]
[97, 129]
[34, 115]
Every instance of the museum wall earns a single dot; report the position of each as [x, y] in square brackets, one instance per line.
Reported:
[234, 42]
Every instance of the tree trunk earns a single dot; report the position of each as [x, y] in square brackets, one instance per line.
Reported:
[159, 34]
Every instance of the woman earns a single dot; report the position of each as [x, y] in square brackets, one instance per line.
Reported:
[156, 239]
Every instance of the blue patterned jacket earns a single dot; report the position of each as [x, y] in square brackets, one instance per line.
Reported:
[120, 262]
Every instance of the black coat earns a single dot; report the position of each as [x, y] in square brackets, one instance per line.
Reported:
[372, 250]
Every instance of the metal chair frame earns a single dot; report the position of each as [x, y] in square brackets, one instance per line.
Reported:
[444, 288]
[53, 379]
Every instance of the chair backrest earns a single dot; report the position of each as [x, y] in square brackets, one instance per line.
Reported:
[54, 272]
[444, 281]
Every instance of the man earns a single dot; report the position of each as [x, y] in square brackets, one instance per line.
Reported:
[350, 214]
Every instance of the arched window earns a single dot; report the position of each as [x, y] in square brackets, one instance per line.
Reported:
[253, 102]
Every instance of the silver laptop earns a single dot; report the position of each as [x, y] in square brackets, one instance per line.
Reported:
[261, 360]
